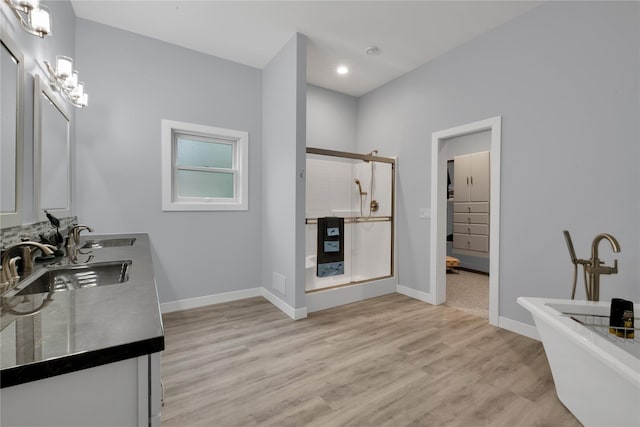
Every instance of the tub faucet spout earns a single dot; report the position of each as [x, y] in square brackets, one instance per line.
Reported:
[595, 267]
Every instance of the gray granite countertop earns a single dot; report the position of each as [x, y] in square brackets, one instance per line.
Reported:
[86, 327]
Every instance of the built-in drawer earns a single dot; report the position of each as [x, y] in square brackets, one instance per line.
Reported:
[474, 207]
[471, 242]
[460, 228]
[471, 218]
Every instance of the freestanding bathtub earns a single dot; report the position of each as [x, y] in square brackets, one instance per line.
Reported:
[596, 374]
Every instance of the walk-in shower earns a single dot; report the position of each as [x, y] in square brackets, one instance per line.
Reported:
[349, 218]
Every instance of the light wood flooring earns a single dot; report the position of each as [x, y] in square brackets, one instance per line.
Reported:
[388, 361]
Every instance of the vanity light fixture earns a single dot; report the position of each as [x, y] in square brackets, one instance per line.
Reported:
[342, 70]
[64, 79]
[34, 18]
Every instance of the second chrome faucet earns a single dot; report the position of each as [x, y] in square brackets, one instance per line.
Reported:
[74, 234]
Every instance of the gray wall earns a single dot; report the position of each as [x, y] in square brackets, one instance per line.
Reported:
[134, 82]
[332, 119]
[284, 117]
[36, 50]
[564, 78]
[467, 144]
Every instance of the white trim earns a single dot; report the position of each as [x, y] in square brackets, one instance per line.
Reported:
[13, 219]
[294, 313]
[335, 297]
[240, 139]
[185, 304]
[437, 274]
[415, 294]
[519, 328]
[143, 390]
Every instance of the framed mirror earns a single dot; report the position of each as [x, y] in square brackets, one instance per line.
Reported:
[52, 153]
[11, 131]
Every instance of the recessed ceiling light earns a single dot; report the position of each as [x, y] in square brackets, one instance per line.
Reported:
[342, 69]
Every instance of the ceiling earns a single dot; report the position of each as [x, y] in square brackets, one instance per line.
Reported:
[408, 33]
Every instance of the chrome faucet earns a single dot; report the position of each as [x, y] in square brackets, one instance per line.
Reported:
[74, 233]
[9, 272]
[9, 277]
[595, 267]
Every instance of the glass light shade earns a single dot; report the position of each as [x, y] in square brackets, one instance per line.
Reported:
[39, 20]
[72, 81]
[27, 4]
[78, 91]
[84, 100]
[64, 66]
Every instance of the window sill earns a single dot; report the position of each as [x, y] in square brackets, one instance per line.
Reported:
[217, 206]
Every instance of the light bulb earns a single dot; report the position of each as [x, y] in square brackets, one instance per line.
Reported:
[72, 81]
[342, 70]
[64, 66]
[84, 100]
[78, 91]
[39, 20]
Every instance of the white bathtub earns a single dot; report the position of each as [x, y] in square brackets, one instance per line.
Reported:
[597, 376]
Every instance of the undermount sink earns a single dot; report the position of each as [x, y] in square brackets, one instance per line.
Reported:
[78, 276]
[107, 243]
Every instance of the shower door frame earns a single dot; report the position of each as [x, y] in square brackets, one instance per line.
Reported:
[353, 220]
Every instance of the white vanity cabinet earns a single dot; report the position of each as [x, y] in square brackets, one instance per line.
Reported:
[90, 356]
[124, 393]
[471, 204]
[471, 177]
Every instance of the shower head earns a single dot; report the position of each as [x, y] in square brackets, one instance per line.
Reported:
[357, 181]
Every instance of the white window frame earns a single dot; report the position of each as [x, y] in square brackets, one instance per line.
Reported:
[238, 139]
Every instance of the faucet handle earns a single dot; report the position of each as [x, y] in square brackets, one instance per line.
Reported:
[9, 277]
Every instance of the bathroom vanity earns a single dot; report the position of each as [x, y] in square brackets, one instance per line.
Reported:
[88, 354]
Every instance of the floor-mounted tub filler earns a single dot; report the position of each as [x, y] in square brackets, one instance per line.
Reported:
[596, 374]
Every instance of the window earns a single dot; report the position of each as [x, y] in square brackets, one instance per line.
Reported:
[203, 168]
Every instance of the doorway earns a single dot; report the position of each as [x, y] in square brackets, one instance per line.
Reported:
[439, 191]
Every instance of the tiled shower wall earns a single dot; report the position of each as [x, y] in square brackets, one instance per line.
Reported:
[9, 236]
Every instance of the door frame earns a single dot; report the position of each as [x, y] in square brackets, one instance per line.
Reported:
[437, 274]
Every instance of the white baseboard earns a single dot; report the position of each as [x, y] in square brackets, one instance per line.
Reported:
[503, 322]
[294, 313]
[334, 297]
[519, 328]
[416, 294]
[185, 304]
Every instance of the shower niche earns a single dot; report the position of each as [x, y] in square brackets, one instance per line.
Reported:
[355, 194]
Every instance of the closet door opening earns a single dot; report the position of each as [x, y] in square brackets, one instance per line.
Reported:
[465, 205]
